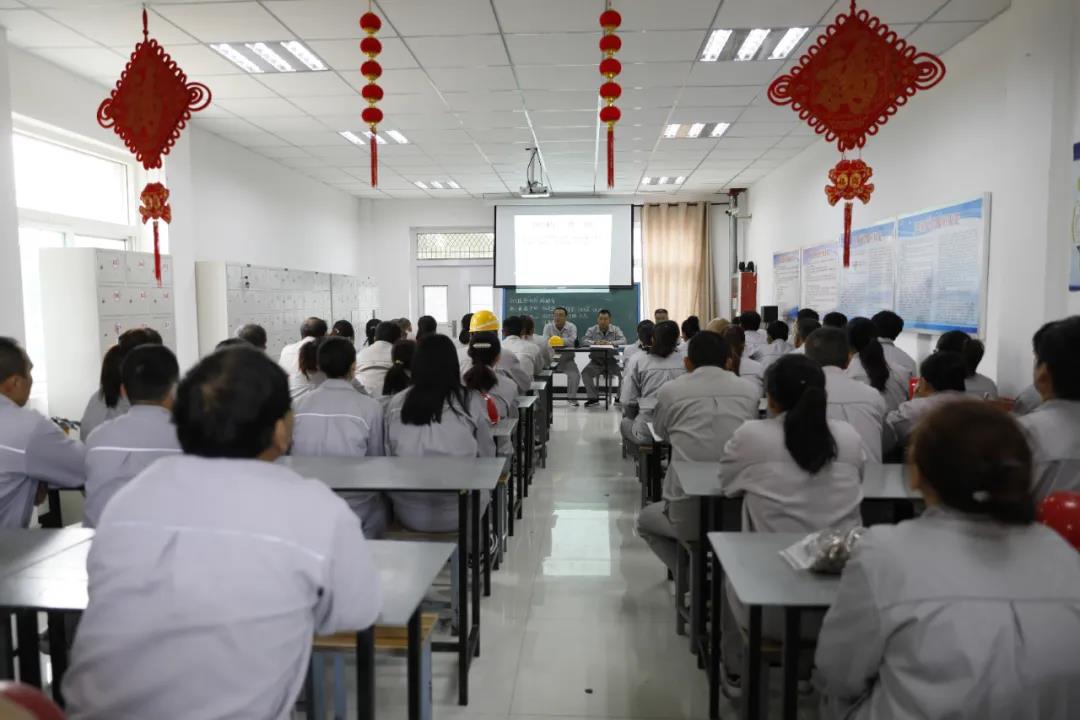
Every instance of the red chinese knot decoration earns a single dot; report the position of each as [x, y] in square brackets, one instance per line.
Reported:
[149, 107]
[372, 116]
[610, 90]
[848, 84]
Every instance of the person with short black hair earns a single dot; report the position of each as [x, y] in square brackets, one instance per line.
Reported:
[218, 565]
[334, 419]
[33, 450]
[601, 362]
[123, 447]
[399, 376]
[406, 327]
[660, 315]
[1029, 398]
[807, 314]
[344, 329]
[690, 327]
[971, 610]
[1053, 428]
[835, 319]
[232, 342]
[777, 345]
[107, 402]
[750, 322]
[310, 376]
[311, 329]
[526, 351]
[941, 382]
[803, 328]
[254, 334]
[426, 325]
[972, 350]
[742, 364]
[697, 413]
[850, 400]
[528, 332]
[375, 360]
[561, 327]
[435, 416]
[464, 333]
[889, 326]
[646, 375]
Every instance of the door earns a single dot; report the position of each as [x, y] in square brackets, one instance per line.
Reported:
[446, 292]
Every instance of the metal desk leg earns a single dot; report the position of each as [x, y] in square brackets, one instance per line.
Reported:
[58, 654]
[792, 616]
[514, 460]
[699, 598]
[464, 626]
[365, 674]
[485, 549]
[416, 689]
[522, 490]
[29, 658]
[7, 648]
[717, 589]
[477, 569]
[530, 441]
[751, 679]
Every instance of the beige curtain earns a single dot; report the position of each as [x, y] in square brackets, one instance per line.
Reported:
[678, 268]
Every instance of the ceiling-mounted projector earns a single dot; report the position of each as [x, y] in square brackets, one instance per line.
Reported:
[534, 187]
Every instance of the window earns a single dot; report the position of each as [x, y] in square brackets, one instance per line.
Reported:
[455, 245]
[435, 302]
[481, 297]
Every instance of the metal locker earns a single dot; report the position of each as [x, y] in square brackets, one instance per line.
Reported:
[165, 325]
[108, 333]
[139, 301]
[112, 302]
[234, 277]
[110, 267]
[140, 269]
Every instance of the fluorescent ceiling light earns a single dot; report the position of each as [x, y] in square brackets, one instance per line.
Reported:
[352, 137]
[671, 130]
[236, 58]
[788, 42]
[276, 61]
[646, 181]
[719, 129]
[398, 136]
[715, 45]
[378, 138]
[695, 130]
[301, 53]
[436, 184]
[680, 180]
[662, 181]
[420, 184]
[453, 185]
[752, 44]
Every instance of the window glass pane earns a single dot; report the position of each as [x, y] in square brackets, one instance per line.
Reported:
[86, 241]
[58, 179]
[435, 302]
[455, 246]
[481, 297]
[31, 240]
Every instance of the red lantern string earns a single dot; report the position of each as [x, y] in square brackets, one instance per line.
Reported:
[610, 90]
[371, 47]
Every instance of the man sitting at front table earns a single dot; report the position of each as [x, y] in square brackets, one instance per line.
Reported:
[601, 362]
[566, 330]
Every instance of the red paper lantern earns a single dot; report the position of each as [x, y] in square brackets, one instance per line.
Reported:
[610, 91]
[848, 84]
[610, 20]
[610, 67]
[372, 70]
[610, 44]
[610, 114]
[149, 107]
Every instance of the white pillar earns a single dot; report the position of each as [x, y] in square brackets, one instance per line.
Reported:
[11, 305]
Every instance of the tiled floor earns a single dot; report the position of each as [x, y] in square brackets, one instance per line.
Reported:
[581, 619]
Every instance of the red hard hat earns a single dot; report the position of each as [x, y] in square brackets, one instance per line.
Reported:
[1061, 511]
[18, 701]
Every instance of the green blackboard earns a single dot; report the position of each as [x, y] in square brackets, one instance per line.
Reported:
[624, 304]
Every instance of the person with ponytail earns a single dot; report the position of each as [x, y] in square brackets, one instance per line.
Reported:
[645, 331]
[369, 331]
[972, 350]
[868, 363]
[107, 402]
[399, 376]
[971, 610]
[435, 416]
[498, 390]
[797, 471]
[743, 365]
[648, 372]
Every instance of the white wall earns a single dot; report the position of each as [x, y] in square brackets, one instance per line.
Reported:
[992, 125]
[11, 312]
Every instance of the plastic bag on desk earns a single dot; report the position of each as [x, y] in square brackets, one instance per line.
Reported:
[826, 551]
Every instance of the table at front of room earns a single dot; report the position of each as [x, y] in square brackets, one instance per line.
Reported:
[468, 477]
[761, 578]
[611, 364]
[883, 485]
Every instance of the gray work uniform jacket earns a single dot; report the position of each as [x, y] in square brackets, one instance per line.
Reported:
[859, 405]
[644, 378]
[1053, 431]
[97, 412]
[897, 389]
[900, 423]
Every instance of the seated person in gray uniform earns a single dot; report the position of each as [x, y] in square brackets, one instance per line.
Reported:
[335, 419]
[33, 450]
[601, 362]
[107, 402]
[211, 571]
[122, 448]
[567, 361]
[941, 381]
[647, 373]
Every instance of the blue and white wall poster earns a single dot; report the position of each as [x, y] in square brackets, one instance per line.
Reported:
[868, 284]
[1074, 241]
[941, 267]
[786, 287]
[821, 277]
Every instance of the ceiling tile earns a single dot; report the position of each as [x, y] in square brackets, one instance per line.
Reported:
[345, 55]
[335, 105]
[566, 133]
[398, 81]
[91, 61]
[938, 37]
[766, 111]
[494, 119]
[725, 96]
[290, 125]
[971, 10]
[459, 51]
[283, 151]
[261, 107]
[307, 84]
[503, 135]
[496, 100]
[772, 13]
[468, 79]
[648, 98]
[422, 121]
[705, 115]
[761, 129]
[563, 118]
[30, 29]
[238, 86]
[661, 45]
[795, 142]
[322, 19]
[561, 100]
[303, 162]
[198, 61]
[225, 22]
[118, 26]
[655, 74]
[660, 15]
[559, 77]
[528, 16]
[398, 103]
[746, 143]
[423, 17]
[253, 138]
[443, 138]
[892, 12]
[552, 49]
[758, 72]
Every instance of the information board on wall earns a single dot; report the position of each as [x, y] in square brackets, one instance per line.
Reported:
[868, 284]
[1074, 242]
[941, 259]
[821, 277]
[786, 282]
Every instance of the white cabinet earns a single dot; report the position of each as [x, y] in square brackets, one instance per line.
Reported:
[89, 297]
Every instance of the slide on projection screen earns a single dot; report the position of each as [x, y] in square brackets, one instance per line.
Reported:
[571, 246]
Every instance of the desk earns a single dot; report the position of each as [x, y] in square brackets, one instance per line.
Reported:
[466, 476]
[548, 378]
[21, 551]
[887, 497]
[527, 408]
[539, 388]
[406, 571]
[760, 577]
[614, 349]
[508, 428]
[650, 466]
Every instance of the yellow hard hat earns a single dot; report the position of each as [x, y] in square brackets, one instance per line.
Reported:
[556, 341]
[484, 321]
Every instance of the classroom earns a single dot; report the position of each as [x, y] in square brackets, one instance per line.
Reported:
[539, 359]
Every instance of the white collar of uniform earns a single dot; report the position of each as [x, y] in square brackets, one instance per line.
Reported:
[148, 409]
[337, 384]
[710, 370]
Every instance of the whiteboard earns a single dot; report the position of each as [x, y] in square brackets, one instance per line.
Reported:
[868, 284]
[821, 277]
[786, 285]
[941, 267]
